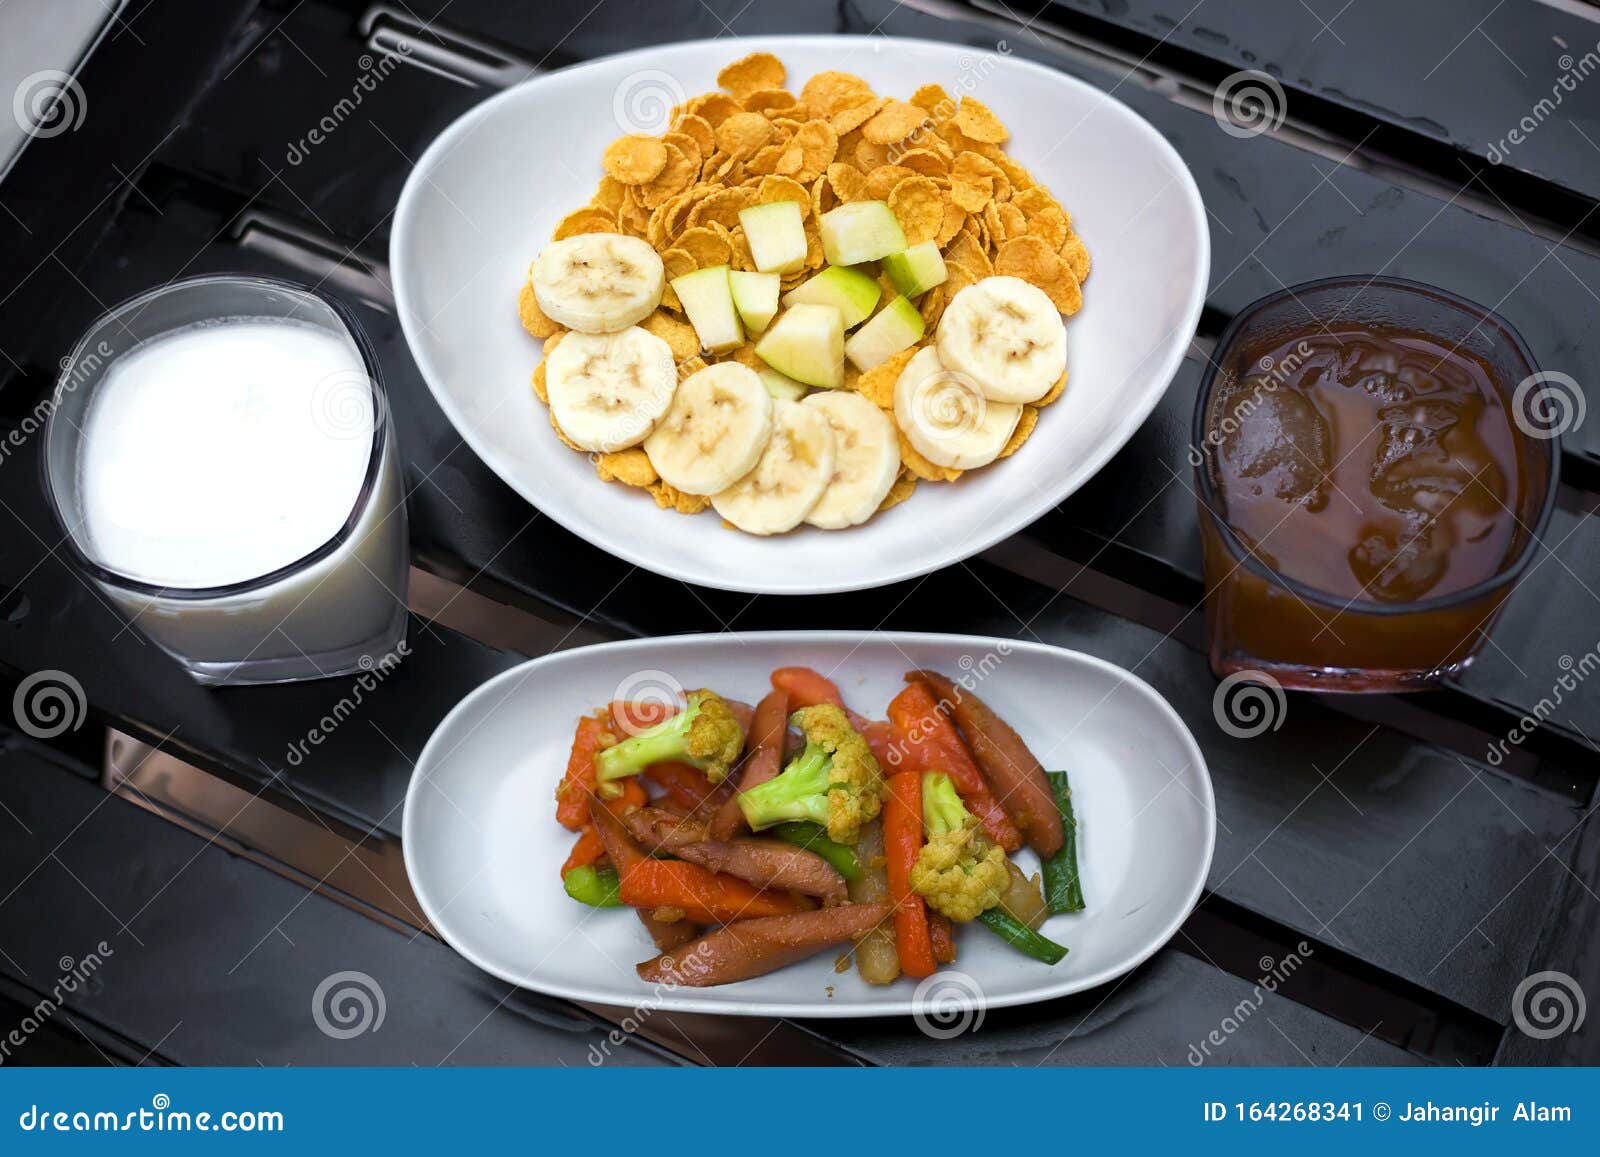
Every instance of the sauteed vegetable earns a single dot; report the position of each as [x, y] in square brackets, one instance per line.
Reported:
[746, 839]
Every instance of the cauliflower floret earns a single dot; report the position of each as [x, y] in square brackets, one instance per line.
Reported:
[959, 876]
[835, 781]
[705, 734]
[959, 872]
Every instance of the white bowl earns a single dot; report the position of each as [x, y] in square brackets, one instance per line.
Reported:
[484, 851]
[485, 196]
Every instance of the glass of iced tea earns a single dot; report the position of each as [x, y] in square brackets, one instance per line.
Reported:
[1368, 494]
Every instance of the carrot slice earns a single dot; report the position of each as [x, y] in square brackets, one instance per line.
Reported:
[902, 840]
[805, 687]
[589, 848]
[572, 794]
[942, 936]
[629, 717]
[625, 854]
[706, 897]
[925, 740]
[687, 785]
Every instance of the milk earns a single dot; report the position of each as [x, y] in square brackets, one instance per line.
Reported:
[214, 460]
[207, 459]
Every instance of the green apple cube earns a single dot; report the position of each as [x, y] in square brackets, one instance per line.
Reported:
[916, 270]
[776, 234]
[781, 386]
[860, 231]
[707, 297]
[806, 343]
[898, 326]
[853, 293]
[755, 296]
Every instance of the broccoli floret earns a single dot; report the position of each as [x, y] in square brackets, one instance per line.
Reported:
[704, 734]
[834, 782]
[959, 871]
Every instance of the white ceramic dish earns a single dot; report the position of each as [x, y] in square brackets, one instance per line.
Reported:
[484, 198]
[483, 849]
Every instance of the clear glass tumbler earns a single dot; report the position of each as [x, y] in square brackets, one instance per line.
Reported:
[1262, 620]
[338, 606]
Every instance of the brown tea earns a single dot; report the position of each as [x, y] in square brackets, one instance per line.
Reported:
[1374, 466]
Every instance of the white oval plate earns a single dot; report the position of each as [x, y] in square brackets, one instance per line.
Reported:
[484, 851]
[485, 196]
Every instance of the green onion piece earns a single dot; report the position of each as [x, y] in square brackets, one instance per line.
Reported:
[1063, 890]
[814, 838]
[596, 887]
[1021, 937]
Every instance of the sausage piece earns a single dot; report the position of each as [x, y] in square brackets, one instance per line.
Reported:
[750, 948]
[667, 936]
[764, 742]
[1013, 772]
[763, 862]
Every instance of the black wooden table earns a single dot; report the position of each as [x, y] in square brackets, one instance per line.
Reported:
[1421, 882]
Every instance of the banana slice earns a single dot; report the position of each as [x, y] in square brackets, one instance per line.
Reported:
[944, 416]
[598, 282]
[790, 478]
[1005, 335]
[866, 459]
[719, 423]
[607, 391]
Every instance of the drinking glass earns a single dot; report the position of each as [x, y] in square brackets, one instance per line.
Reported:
[340, 607]
[1260, 620]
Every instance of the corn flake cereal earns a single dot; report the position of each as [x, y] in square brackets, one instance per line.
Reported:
[828, 92]
[759, 70]
[1028, 419]
[975, 120]
[917, 205]
[900, 491]
[635, 158]
[630, 467]
[533, 318]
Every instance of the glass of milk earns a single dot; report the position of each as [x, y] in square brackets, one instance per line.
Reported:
[223, 464]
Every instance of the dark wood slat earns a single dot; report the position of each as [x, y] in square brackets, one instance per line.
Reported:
[215, 960]
[1162, 1014]
[1567, 949]
[1457, 74]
